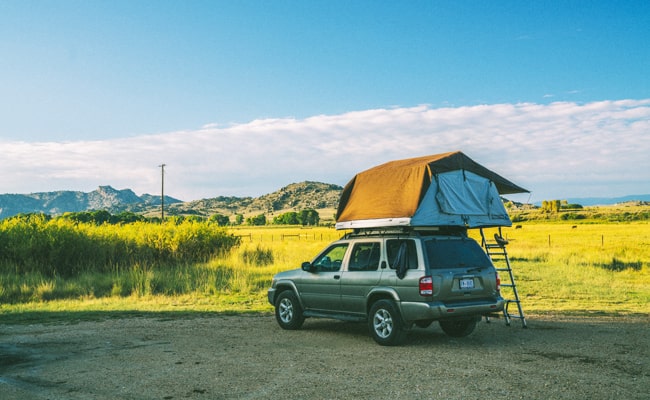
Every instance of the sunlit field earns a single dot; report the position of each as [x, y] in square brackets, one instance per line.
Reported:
[559, 267]
[581, 268]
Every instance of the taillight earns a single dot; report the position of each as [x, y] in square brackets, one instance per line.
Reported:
[426, 286]
[498, 282]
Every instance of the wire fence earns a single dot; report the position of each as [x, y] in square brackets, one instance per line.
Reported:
[281, 237]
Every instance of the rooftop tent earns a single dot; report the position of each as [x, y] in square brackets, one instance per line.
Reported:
[448, 189]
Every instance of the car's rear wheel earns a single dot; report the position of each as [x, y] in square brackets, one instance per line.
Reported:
[288, 312]
[458, 327]
[385, 323]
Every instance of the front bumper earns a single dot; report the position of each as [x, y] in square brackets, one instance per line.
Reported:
[271, 296]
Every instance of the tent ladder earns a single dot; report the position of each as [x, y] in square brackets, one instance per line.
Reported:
[496, 250]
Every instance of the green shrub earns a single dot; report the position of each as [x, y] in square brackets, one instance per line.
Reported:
[257, 256]
[571, 216]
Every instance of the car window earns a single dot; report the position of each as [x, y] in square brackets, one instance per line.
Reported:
[364, 257]
[443, 254]
[331, 259]
[392, 249]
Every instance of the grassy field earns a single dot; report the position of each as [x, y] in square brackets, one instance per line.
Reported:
[582, 268]
[559, 267]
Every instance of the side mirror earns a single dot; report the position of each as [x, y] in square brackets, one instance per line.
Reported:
[306, 266]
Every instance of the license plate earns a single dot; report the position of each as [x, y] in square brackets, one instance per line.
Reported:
[467, 283]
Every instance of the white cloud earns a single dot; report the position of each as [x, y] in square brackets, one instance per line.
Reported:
[556, 150]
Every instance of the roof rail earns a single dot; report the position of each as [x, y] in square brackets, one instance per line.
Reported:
[408, 230]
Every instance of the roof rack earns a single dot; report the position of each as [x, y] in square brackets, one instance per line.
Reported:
[408, 230]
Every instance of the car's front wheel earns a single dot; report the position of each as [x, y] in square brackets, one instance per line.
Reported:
[385, 323]
[288, 312]
[458, 327]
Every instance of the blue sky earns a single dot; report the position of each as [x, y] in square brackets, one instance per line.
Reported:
[244, 97]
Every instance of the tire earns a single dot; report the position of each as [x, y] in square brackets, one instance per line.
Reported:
[385, 323]
[458, 327]
[288, 312]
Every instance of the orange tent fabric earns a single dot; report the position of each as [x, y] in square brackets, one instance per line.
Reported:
[396, 188]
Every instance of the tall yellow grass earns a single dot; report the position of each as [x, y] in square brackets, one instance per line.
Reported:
[558, 268]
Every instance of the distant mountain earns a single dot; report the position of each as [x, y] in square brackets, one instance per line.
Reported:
[56, 203]
[294, 197]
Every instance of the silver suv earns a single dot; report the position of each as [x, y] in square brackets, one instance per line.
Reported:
[392, 280]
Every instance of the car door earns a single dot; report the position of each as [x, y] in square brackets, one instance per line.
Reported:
[402, 273]
[360, 274]
[320, 287]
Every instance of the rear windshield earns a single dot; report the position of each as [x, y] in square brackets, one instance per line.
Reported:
[444, 254]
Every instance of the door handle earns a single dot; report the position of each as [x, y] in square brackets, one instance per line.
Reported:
[337, 276]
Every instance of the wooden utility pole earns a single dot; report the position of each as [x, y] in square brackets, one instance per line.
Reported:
[162, 193]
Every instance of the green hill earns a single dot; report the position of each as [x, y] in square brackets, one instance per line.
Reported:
[322, 197]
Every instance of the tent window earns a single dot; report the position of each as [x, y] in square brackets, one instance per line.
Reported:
[463, 194]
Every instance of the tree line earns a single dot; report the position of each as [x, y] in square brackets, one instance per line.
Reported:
[306, 217]
[559, 205]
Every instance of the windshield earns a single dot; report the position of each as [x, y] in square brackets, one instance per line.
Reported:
[445, 254]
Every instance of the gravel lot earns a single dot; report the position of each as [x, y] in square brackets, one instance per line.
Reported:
[213, 356]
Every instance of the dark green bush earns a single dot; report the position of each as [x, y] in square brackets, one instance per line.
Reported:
[571, 216]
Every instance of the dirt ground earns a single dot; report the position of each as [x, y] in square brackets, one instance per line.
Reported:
[213, 356]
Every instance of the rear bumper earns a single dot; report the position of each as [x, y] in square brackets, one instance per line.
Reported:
[415, 311]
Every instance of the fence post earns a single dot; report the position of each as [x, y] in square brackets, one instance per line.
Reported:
[549, 240]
